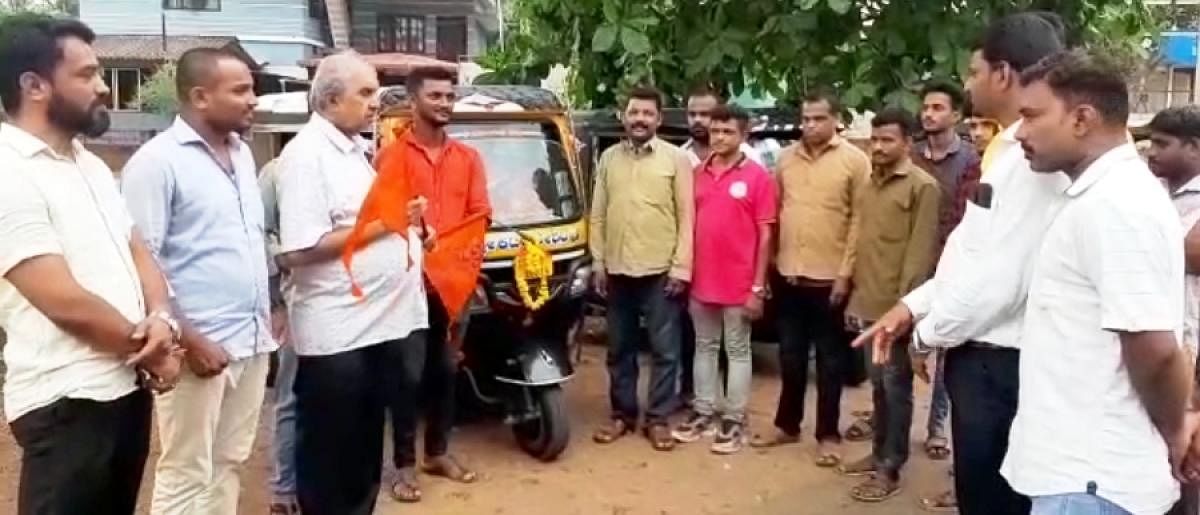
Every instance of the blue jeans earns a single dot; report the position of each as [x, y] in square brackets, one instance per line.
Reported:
[939, 404]
[629, 298]
[283, 481]
[1075, 504]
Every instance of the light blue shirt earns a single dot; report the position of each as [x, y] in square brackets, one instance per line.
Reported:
[205, 225]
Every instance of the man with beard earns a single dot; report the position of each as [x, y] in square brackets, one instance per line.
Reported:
[356, 356]
[1174, 156]
[449, 179]
[898, 207]
[819, 178]
[83, 302]
[1100, 426]
[955, 164]
[641, 242]
[193, 192]
[974, 306]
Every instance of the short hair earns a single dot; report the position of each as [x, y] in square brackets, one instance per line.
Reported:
[1079, 77]
[1182, 122]
[727, 112]
[650, 93]
[33, 43]
[1021, 39]
[824, 95]
[332, 74]
[196, 66]
[895, 116]
[416, 79]
[706, 90]
[946, 88]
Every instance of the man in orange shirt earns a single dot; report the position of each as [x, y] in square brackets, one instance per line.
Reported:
[449, 177]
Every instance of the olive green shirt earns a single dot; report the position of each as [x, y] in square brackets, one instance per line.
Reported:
[642, 211]
[898, 233]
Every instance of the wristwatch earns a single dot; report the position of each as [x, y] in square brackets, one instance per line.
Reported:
[176, 331]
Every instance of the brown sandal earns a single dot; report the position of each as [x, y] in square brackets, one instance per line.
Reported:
[448, 467]
[660, 437]
[875, 489]
[937, 448]
[860, 431]
[863, 467]
[776, 439]
[405, 488]
[615, 430]
[284, 508]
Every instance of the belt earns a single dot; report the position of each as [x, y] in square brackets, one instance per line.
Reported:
[973, 344]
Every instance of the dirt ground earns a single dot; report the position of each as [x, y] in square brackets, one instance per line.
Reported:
[625, 478]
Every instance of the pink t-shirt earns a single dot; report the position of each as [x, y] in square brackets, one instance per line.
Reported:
[729, 209]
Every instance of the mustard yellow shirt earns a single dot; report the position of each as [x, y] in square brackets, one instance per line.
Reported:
[643, 210]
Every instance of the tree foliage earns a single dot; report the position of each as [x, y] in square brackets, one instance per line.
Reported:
[158, 92]
[873, 52]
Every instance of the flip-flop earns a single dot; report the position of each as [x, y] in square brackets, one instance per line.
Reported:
[937, 448]
[660, 437]
[448, 467]
[944, 502]
[775, 439]
[860, 431]
[874, 490]
[405, 488]
[828, 459]
[615, 430]
[862, 467]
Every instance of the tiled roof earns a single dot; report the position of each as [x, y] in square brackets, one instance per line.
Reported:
[150, 48]
[396, 63]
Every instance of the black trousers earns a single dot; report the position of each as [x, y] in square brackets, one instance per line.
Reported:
[983, 384]
[892, 401]
[807, 320]
[340, 403]
[437, 378]
[83, 456]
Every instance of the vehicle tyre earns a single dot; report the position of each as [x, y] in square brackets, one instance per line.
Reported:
[545, 437]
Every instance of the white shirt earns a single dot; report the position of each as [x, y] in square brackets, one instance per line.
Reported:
[1187, 203]
[1111, 261]
[55, 204]
[982, 279]
[323, 178]
[689, 148]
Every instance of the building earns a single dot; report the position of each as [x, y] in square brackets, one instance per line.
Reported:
[278, 34]
[1170, 78]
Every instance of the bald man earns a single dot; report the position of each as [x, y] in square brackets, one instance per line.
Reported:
[193, 192]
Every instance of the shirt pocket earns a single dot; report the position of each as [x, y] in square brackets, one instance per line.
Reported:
[895, 218]
[655, 186]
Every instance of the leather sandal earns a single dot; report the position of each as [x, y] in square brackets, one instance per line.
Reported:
[615, 430]
[660, 437]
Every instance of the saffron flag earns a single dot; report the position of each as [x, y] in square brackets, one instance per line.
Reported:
[452, 265]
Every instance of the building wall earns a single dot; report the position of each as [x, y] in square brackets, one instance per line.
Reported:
[249, 19]
[364, 16]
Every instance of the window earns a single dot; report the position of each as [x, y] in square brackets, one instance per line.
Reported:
[124, 85]
[451, 38]
[1162, 88]
[193, 5]
[316, 9]
[402, 34]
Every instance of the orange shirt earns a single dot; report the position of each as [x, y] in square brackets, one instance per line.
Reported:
[454, 181]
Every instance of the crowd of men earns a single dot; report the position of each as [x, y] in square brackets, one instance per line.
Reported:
[1054, 261]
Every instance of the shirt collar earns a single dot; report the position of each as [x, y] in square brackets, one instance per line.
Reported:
[737, 165]
[1192, 186]
[927, 149]
[28, 145]
[1100, 168]
[1009, 134]
[639, 150]
[186, 135]
[834, 143]
[899, 170]
[344, 143]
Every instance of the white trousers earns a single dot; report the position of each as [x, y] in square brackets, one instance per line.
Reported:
[207, 428]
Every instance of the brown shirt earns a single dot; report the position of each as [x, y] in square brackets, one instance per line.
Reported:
[818, 222]
[642, 211]
[897, 238]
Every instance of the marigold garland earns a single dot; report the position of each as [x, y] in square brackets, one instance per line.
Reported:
[533, 261]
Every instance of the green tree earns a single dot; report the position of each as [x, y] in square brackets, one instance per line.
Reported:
[158, 92]
[873, 52]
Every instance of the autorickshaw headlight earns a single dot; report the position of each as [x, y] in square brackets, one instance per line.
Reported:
[580, 280]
